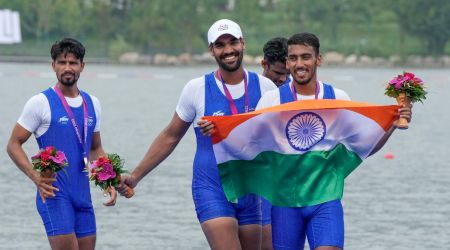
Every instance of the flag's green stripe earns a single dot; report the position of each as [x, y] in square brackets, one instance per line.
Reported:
[290, 180]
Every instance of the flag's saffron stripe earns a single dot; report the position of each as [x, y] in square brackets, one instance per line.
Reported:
[380, 114]
[267, 132]
[292, 180]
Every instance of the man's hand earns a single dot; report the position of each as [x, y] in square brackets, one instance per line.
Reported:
[404, 112]
[111, 191]
[206, 127]
[45, 187]
[126, 186]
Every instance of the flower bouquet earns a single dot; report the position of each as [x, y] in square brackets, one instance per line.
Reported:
[407, 89]
[49, 161]
[105, 172]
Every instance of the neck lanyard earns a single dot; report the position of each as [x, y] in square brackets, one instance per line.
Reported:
[81, 142]
[294, 93]
[230, 99]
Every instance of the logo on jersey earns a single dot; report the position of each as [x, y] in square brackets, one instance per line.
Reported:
[90, 121]
[218, 113]
[63, 120]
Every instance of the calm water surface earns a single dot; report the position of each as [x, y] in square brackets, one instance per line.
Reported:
[403, 203]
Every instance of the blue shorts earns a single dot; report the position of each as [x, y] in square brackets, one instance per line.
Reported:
[266, 210]
[61, 215]
[323, 224]
[211, 203]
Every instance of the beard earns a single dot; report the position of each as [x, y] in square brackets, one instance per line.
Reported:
[230, 68]
[304, 81]
[68, 82]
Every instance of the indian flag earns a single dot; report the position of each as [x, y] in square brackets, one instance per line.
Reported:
[297, 154]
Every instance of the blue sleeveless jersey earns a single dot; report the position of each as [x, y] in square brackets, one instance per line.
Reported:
[327, 217]
[205, 166]
[73, 184]
[286, 93]
[285, 97]
[207, 192]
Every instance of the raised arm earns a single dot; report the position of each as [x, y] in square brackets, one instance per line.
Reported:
[404, 112]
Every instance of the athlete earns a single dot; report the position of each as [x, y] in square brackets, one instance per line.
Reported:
[322, 224]
[230, 89]
[274, 61]
[69, 120]
[274, 68]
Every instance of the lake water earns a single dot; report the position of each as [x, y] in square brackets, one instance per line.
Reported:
[403, 203]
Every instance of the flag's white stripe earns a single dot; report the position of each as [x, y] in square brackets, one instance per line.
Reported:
[266, 132]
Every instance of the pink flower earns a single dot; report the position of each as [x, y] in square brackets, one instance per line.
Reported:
[101, 161]
[50, 149]
[408, 76]
[106, 173]
[405, 79]
[45, 155]
[59, 158]
[397, 81]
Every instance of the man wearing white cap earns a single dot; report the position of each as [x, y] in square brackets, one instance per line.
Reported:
[228, 90]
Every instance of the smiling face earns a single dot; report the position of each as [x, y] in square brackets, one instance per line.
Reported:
[67, 68]
[228, 52]
[302, 61]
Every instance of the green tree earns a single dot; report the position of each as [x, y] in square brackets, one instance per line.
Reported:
[170, 24]
[427, 20]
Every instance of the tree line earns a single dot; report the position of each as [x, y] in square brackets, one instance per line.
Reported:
[111, 27]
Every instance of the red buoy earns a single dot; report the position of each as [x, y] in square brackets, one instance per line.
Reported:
[389, 156]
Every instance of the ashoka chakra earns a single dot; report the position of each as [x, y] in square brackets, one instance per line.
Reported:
[305, 130]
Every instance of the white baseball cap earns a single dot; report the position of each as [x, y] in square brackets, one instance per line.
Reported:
[221, 27]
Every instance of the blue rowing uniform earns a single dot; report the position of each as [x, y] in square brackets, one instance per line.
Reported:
[71, 210]
[323, 224]
[209, 197]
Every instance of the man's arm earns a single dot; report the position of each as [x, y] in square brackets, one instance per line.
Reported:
[96, 146]
[404, 112]
[14, 148]
[161, 147]
[383, 140]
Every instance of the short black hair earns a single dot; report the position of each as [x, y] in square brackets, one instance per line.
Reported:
[68, 45]
[275, 50]
[307, 39]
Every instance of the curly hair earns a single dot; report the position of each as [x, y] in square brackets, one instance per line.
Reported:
[307, 39]
[68, 45]
[275, 50]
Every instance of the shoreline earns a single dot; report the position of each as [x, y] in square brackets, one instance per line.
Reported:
[329, 59]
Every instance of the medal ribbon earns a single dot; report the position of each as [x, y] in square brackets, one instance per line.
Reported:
[230, 98]
[82, 143]
[294, 93]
